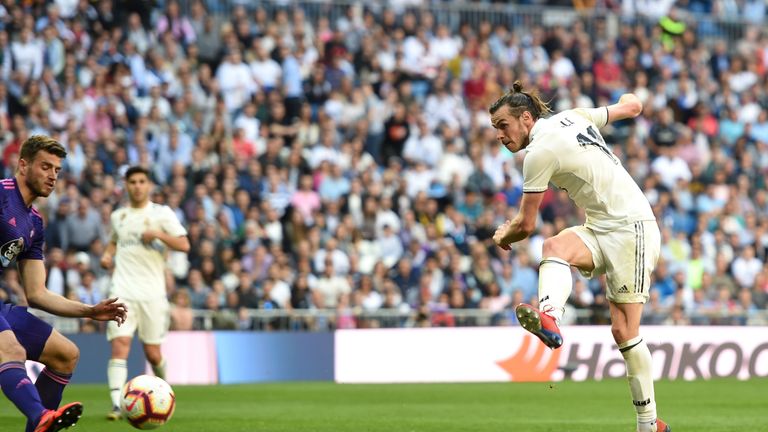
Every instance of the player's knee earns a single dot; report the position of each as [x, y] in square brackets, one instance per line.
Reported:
[552, 248]
[620, 333]
[121, 347]
[72, 356]
[12, 352]
[66, 359]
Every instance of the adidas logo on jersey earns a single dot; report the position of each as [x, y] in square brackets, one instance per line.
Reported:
[623, 290]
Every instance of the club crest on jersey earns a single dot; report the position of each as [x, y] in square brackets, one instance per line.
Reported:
[10, 250]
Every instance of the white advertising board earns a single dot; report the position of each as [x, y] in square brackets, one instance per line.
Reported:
[191, 358]
[512, 354]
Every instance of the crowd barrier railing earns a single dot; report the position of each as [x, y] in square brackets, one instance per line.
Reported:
[599, 22]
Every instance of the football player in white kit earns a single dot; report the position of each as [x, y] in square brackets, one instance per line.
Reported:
[620, 237]
[141, 234]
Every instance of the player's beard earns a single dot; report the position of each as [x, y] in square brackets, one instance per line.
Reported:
[38, 187]
[522, 141]
[516, 146]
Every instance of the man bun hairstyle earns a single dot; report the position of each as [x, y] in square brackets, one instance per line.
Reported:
[520, 101]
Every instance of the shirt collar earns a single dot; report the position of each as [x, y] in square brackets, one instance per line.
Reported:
[537, 128]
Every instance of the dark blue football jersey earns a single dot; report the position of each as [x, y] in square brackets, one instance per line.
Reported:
[21, 227]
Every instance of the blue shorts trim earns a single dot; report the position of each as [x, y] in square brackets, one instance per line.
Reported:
[31, 332]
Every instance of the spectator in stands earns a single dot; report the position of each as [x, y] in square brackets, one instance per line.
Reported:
[182, 317]
[747, 308]
[524, 276]
[177, 25]
[378, 83]
[746, 267]
[198, 291]
[330, 286]
[28, 55]
[495, 302]
[89, 292]
[677, 316]
[221, 318]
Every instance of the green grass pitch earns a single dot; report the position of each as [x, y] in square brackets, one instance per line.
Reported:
[701, 406]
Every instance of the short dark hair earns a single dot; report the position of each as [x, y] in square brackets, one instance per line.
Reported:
[37, 143]
[136, 169]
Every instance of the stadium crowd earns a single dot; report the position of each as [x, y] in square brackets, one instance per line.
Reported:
[350, 164]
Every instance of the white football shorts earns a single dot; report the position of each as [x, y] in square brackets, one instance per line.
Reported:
[627, 256]
[151, 318]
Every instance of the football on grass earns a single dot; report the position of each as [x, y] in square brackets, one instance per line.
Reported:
[148, 402]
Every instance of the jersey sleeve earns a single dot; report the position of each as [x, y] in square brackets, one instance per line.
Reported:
[539, 166]
[170, 223]
[598, 116]
[35, 251]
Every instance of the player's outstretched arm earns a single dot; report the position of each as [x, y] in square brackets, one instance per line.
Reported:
[109, 310]
[523, 224]
[628, 106]
[180, 243]
[33, 280]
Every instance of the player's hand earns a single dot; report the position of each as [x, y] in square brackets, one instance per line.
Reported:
[149, 235]
[106, 261]
[109, 310]
[500, 234]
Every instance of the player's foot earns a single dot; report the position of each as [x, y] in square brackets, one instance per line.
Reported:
[539, 323]
[62, 418]
[115, 414]
[661, 426]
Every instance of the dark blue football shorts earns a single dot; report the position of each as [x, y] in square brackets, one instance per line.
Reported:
[30, 331]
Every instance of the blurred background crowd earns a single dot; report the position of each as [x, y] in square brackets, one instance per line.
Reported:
[335, 160]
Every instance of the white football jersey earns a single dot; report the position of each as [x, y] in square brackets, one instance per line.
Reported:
[140, 268]
[568, 150]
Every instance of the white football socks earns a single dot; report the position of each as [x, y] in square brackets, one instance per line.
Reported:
[637, 357]
[555, 284]
[117, 374]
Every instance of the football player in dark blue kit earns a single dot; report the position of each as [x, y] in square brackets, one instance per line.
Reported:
[22, 335]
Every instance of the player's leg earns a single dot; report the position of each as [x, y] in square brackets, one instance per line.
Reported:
[555, 280]
[633, 253]
[625, 326]
[117, 372]
[15, 383]
[41, 343]
[154, 321]
[44, 344]
[60, 356]
[155, 359]
[117, 368]
[573, 247]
